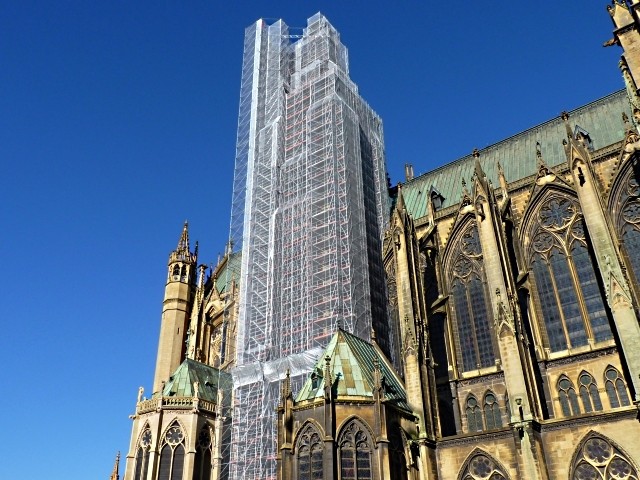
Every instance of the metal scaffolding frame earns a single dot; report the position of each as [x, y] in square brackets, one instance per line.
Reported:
[308, 211]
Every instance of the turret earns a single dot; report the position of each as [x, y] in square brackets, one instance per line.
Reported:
[176, 308]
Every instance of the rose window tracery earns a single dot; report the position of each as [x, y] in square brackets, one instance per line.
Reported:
[631, 212]
[556, 213]
[543, 242]
[598, 459]
[481, 467]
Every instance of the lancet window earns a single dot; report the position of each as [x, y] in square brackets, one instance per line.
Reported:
[310, 455]
[492, 415]
[482, 467]
[598, 459]
[625, 200]
[142, 455]
[589, 393]
[202, 467]
[616, 388]
[568, 398]
[172, 454]
[473, 329]
[355, 452]
[570, 297]
[474, 415]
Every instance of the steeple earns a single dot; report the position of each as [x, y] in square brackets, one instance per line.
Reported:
[176, 308]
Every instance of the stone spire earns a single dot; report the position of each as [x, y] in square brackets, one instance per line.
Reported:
[115, 474]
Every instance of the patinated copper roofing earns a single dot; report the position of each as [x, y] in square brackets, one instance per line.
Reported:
[517, 154]
[209, 379]
[352, 362]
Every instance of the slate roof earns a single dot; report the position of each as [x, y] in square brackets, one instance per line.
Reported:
[352, 363]
[602, 119]
[210, 380]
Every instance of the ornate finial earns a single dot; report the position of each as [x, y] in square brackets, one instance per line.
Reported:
[140, 393]
[196, 389]
[183, 243]
[464, 183]
[538, 152]
[373, 336]
[625, 118]
[115, 475]
[475, 153]
[500, 170]
[564, 115]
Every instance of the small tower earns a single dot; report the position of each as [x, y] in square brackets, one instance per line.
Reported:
[626, 19]
[176, 308]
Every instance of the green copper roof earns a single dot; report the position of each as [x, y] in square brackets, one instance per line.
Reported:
[210, 380]
[352, 364]
[229, 271]
[602, 119]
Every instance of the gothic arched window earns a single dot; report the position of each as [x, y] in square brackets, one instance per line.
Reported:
[355, 451]
[474, 415]
[597, 458]
[482, 467]
[568, 398]
[202, 468]
[142, 455]
[492, 416]
[589, 393]
[625, 205]
[172, 454]
[176, 270]
[473, 326]
[616, 388]
[570, 296]
[310, 455]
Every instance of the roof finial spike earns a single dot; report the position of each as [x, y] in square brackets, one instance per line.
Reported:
[538, 152]
[183, 243]
[115, 475]
[475, 153]
[565, 118]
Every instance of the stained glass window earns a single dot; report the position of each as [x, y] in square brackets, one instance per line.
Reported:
[474, 415]
[492, 416]
[625, 200]
[309, 454]
[616, 388]
[172, 454]
[142, 455]
[474, 330]
[570, 297]
[589, 393]
[355, 453]
[568, 398]
[482, 467]
[202, 468]
[599, 459]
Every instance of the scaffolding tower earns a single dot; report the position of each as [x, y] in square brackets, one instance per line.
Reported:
[308, 211]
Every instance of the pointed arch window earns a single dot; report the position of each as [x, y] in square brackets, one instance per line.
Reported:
[568, 398]
[616, 388]
[142, 455]
[355, 451]
[202, 467]
[172, 454]
[589, 393]
[176, 270]
[309, 449]
[572, 302]
[482, 467]
[597, 458]
[492, 415]
[473, 327]
[474, 415]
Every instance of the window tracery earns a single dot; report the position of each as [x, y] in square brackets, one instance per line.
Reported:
[568, 398]
[355, 453]
[616, 388]
[474, 415]
[172, 454]
[142, 455]
[598, 459]
[310, 455]
[625, 200]
[202, 468]
[492, 415]
[568, 291]
[482, 467]
[589, 393]
[473, 327]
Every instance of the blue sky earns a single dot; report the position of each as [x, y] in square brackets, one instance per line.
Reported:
[117, 123]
